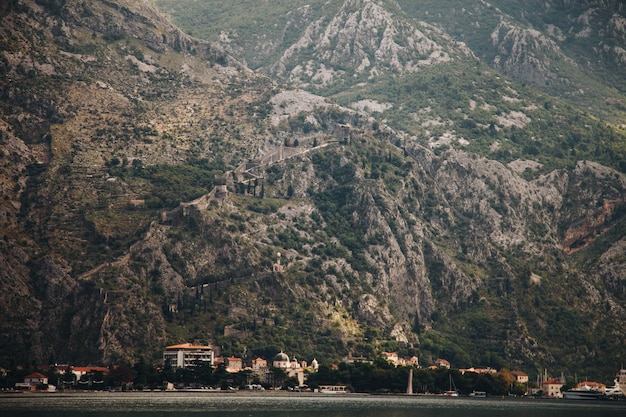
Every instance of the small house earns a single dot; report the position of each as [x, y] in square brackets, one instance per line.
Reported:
[442, 363]
[552, 388]
[520, 377]
[33, 382]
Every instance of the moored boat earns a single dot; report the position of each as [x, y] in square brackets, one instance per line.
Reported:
[452, 392]
[621, 380]
[583, 393]
[333, 389]
[615, 390]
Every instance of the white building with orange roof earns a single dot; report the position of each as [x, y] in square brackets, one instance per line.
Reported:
[34, 381]
[79, 371]
[520, 377]
[592, 386]
[259, 364]
[233, 364]
[552, 388]
[187, 355]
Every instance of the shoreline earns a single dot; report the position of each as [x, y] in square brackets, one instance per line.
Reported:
[281, 393]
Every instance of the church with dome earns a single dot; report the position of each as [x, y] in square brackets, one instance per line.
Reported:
[187, 355]
[294, 368]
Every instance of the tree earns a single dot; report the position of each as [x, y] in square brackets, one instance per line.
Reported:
[277, 376]
[204, 373]
[97, 379]
[142, 371]
[291, 383]
[507, 376]
[137, 165]
[121, 376]
[69, 378]
[168, 373]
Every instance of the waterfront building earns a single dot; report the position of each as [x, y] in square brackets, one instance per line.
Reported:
[292, 368]
[188, 355]
[552, 388]
[520, 377]
[234, 365]
[32, 382]
[259, 364]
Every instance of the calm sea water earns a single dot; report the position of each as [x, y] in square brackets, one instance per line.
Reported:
[189, 404]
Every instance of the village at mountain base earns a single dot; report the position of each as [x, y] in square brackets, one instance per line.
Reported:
[259, 375]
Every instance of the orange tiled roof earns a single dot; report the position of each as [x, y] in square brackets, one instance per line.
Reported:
[552, 382]
[36, 375]
[89, 369]
[591, 384]
[187, 346]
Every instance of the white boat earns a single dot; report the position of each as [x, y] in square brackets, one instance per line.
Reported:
[478, 394]
[615, 390]
[333, 389]
[452, 392]
[621, 380]
[583, 394]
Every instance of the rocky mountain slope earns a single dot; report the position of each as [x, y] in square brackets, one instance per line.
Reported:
[362, 41]
[571, 49]
[156, 191]
[89, 86]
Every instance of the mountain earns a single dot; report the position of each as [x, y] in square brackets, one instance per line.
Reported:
[89, 88]
[570, 49]
[377, 183]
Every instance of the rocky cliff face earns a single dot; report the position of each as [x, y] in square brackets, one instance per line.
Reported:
[600, 23]
[553, 45]
[457, 234]
[364, 40]
[521, 51]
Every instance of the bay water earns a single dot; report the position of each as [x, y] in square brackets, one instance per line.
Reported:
[237, 404]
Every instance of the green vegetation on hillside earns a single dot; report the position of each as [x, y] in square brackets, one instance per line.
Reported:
[278, 22]
[475, 105]
[170, 185]
[397, 229]
[587, 74]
